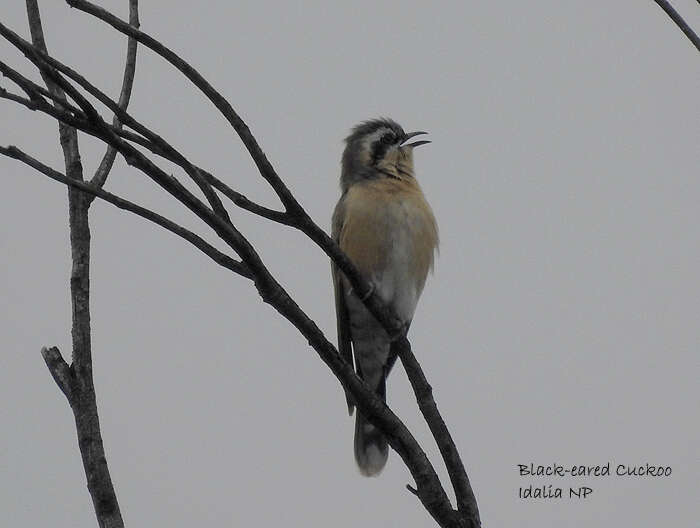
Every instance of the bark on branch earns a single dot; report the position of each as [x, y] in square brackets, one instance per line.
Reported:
[76, 380]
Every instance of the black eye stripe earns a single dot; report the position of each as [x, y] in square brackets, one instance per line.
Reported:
[378, 150]
[388, 138]
[382, 144]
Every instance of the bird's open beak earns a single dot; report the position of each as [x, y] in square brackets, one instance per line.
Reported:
[415, 143]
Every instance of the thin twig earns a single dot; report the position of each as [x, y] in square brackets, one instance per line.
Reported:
[678, 19]
[28, 103]
[124, 95]
[466, 501]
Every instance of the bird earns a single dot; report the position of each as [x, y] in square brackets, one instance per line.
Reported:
[387, 229]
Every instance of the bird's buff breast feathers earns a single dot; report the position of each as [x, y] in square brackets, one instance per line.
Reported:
[390, 234]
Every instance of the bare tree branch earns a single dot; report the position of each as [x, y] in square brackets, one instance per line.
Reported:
[236, 197]
[81, 394]
[206, 248]
[4, 94]
[466, 501]
[60, 371]
[125, 94]
[68, 136]
[73, 117]
[678, 19]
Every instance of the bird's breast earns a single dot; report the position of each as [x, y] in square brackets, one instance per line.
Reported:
[390, 234]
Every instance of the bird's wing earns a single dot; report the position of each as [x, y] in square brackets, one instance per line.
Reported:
[341, 308]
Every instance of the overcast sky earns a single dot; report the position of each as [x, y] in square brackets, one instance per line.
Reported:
[561, 325]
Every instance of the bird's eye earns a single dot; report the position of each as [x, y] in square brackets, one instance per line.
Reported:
[388, 139]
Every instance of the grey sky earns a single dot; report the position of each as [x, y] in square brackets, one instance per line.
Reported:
[561, 324]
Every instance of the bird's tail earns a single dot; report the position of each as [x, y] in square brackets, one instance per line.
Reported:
[371, 347]
[371, 448]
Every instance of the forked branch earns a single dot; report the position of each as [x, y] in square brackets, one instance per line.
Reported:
[75, 380]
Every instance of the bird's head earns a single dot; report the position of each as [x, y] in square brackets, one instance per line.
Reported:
[378, 148]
